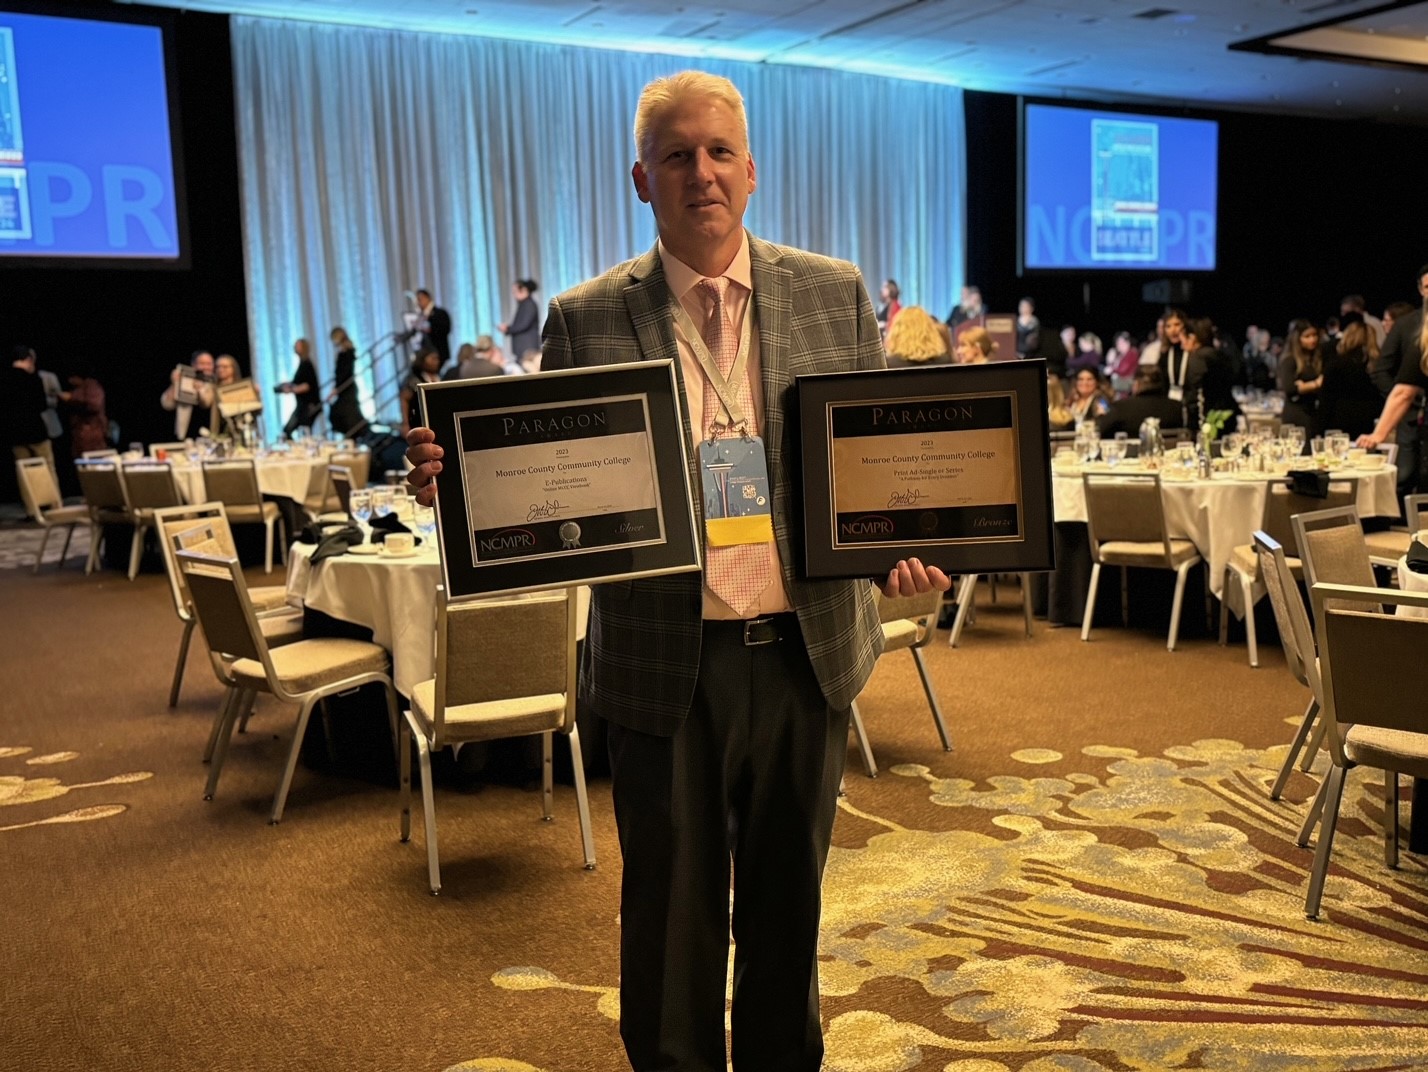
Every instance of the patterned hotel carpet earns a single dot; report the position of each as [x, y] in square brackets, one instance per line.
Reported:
[1094, 880]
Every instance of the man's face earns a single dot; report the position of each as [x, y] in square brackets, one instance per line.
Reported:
[1023, 308]
[204, 363]
[697, 177]
[424, 302]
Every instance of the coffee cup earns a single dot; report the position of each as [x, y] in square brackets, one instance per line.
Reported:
[400, 543]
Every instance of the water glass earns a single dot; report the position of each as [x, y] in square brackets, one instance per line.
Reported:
[425, 519]
[1337, 445]
[1113, 451]
[1295, 434]
[1231, 447]
[360, 502]
[382, 501]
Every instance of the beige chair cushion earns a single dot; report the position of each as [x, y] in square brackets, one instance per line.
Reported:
[310, 664]
[268, 597]
[1128, 553]
[899, 634]
[1389, 544]
[66, 515]
[247, 515]
[1391, 750]
[487, 721]
[1245, 561]
[281, 629]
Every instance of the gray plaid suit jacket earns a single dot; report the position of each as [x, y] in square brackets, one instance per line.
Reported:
[642, 648]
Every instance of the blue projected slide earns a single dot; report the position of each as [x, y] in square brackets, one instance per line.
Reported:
[1115, 190]
[86, 159]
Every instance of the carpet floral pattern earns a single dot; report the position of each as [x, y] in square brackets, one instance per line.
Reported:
[1130, 912]
[16, 789]
[18, 546]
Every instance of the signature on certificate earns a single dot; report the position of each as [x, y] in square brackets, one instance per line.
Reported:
[549, 508]
[909, 497]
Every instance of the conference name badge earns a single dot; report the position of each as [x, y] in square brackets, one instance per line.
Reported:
[734, 473]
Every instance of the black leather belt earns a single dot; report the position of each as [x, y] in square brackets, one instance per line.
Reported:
[759, 631]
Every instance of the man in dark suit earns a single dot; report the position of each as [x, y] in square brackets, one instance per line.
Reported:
[434, 326]
[727, 691]
[1147, 399]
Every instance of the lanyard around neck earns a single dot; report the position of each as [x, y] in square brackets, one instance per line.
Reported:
[731, 414]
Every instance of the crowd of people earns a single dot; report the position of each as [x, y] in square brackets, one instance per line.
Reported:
[1340, 373]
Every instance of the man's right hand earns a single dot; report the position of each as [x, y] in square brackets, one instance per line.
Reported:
[425, 457]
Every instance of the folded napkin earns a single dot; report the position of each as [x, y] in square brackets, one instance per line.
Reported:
[1310, 483]
[336, 542]
[1418, 557]
[382, 527]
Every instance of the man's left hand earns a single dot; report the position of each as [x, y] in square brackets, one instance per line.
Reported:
[911, 578]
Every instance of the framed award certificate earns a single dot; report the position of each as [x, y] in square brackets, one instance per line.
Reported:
[949, 464]
[561, 478]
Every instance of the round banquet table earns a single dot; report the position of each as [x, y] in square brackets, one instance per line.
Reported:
[1222, 513]
[283, 475]
[393, 596]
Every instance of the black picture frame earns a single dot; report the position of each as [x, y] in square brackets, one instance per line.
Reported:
[997, 408]
[532, 415]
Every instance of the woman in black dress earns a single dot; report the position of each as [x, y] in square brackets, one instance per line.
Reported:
[1300, 376]
[344, 415]
[307, 405]
[1349, 401]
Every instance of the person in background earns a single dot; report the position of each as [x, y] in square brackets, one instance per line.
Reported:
[530, 361]
[970, 307]
[1089, 354]
[975, 346]
[1169, 351]
[1354, 303]
[1260, 362]
[1301, 375]
[225, 370]
[914, 340]
[1088, 395]
[1349, 400]
[1152, 344]
[472, 362]
[1147, 399]
[344, 413]
[307, 401]
[889, 305]
[1058, 414]
[1214, 375]
[425, 369]
[726, 691]
[1122, 362]
[1062, 351]
[524, 325]
[1028, 329]
[434, 327]
[84, 406]
[22, 408]
[1403, 352]
[1395, 311]
[190, 419]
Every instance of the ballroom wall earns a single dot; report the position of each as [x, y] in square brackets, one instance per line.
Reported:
[138, 323]
[1310, 210]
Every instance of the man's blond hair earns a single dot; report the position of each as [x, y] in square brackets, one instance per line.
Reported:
[664, 93]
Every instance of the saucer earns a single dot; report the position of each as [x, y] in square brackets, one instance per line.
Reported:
[400, 554]
[364, 549]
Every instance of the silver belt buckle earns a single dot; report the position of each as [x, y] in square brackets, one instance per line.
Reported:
[751, 641]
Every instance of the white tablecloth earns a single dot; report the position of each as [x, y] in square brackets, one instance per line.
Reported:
[285, 476]
[1409, 581]
[393, 597]
[1221, 514]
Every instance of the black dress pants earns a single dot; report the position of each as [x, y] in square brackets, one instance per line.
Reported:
[750, 779]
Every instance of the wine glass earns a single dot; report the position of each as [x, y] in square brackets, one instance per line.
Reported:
[1231, 447]
[382, 501]
[425, 519]
[1295, 434]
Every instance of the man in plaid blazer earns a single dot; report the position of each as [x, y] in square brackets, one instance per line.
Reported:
[728, 712]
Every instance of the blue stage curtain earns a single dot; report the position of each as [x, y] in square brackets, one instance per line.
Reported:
[377, 161]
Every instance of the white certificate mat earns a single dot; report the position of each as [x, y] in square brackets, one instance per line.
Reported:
[559, 479]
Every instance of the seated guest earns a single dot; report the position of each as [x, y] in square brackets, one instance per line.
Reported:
[1349, 401]
[1028, 329]
[1058, 414]
[914, 340]
[424, 370]
[1148, 399]
[190, 419]
[472, 362]
[1088, 354]
[975, 346]
[1088, 395]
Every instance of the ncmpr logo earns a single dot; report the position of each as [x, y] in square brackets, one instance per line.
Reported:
[506, 542]
[867, 527]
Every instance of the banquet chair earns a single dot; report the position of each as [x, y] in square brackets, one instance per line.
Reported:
[1371, 719]
[1387, 547]
[1297, 637]
[303, 672]
[1281, 503]
[486, 688]
[1331, 543]
[1390, 452]
[966, 603]
[340, 477]
[148, 486]
[1125, 521]
[909, 624]
[102, 485]
[46, 508]
[93, 455]
[234, 483]
[357, 462]
[170, 448]
[205, 527]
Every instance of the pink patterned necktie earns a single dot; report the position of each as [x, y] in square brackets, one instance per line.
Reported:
[738, 575]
